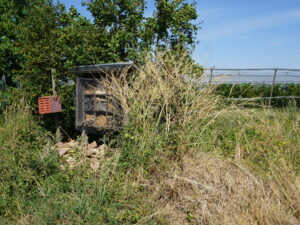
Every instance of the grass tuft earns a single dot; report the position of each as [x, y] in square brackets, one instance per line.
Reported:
[184, 157]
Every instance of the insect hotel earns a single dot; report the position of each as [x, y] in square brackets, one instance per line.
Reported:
[98, 110]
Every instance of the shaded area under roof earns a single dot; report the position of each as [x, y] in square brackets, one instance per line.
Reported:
[104, 68]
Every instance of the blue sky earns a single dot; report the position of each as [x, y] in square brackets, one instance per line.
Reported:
[243, 33]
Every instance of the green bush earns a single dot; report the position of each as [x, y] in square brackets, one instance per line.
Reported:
[24, 161]
[171, 123]
[262, 90]
[34, 189]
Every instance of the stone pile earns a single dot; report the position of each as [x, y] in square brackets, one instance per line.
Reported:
[75, 153]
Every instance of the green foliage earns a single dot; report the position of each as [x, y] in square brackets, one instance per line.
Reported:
[262, 90]
[50, 37]
[120, 24]
[173, 25]
[23, 164]
[257, 137]
[129, 35]
[38, 35]
[34, 189]
[10, 14]
[170, 126]
[110, 196]
[59, 40]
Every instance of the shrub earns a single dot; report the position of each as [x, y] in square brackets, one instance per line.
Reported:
[183, 157]
[167, 113]
[24, 161]
[262, 90]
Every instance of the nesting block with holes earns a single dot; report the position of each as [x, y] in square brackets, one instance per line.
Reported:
[49, 104]
[98, 108]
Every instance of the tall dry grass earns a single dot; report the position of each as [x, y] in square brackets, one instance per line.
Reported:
[184, 157]
[207, 189]
[167, 113]
[172, 122]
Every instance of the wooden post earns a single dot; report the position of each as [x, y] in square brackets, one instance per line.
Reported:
[58, 137]
[53, 73]
[3, 92]
[19, 85]
[272, 88]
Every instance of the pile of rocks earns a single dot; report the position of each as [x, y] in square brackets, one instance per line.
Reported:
[75, 153]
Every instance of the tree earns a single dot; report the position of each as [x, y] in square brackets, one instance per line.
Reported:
[120, 22]
[129, 34]
[38, 35]
[51, 37]
[10, 14]
[174, 27]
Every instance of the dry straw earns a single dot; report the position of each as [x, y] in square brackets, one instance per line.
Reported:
[161, 102]
[168, 116]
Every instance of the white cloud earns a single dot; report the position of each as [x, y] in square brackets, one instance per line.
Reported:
[231, 28]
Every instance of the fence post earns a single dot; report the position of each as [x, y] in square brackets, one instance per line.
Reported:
[211, 75]
[19, 86]
[3, 92]
[272, 88]
[53, 76]
[58, 137]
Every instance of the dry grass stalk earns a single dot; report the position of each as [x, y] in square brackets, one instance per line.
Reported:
[168, 117]
[160, 101]
[209, 190]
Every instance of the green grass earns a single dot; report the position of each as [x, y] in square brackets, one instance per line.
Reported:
[35, 190]
[260, 138]
[262, 90]
[171, 124]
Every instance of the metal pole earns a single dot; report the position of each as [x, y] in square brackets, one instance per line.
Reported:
[211, 75]
[272, 88]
